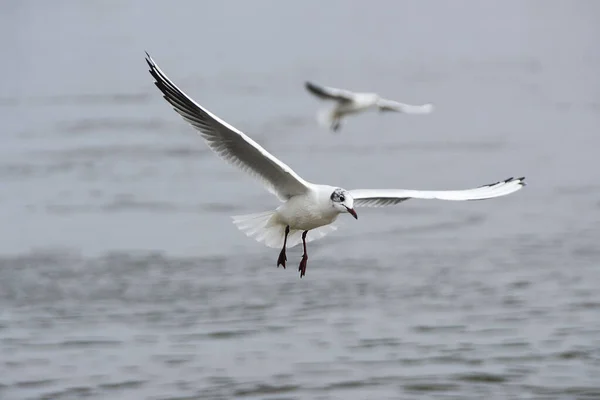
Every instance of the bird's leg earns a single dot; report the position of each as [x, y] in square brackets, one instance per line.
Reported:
[336, 125]
[302, 267]
[282, 258]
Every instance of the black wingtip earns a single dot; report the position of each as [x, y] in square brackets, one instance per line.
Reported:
[150, 61]
[520, 181]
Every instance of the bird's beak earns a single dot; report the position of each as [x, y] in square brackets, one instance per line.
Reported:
[351, 211]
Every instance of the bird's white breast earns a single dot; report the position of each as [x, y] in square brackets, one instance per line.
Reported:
[306, 212]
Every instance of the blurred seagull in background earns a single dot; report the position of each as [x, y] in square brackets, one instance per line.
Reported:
[308, 209]
[352, 103]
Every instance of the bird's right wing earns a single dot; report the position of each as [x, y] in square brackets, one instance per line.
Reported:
[389, 197]
[390, 105]
[229, 143]
[329, 93]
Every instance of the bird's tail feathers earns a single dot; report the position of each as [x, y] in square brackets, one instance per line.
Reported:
[268, 230]
[262, 227]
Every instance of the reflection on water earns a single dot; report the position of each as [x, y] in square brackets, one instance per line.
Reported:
[122, 277]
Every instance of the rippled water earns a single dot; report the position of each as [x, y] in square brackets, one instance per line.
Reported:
[122, 277]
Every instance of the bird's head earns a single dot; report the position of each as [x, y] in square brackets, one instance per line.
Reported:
[343, 202]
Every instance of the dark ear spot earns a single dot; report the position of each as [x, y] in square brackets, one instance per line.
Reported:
[335, 196]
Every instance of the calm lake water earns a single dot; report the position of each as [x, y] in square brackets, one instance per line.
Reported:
[122, 276]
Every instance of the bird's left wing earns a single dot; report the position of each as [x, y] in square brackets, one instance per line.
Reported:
[390, 105]
[388, 197]
[229, 143]
[329, 93]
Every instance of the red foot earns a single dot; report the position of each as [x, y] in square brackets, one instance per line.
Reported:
[302, 267]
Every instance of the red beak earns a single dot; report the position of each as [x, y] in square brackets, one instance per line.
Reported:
[351, 211]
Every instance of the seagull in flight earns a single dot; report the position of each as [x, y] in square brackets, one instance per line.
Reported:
[347, 103]
[308, 209]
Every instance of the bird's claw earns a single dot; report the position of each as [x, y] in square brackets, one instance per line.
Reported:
[302, 267]
[282, 259]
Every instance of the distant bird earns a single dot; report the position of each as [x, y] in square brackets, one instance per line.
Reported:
[352, 103]
[308, 209]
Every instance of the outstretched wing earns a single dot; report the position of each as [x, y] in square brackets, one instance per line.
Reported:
[388, 197]
[390, 105]
[229, 143]
[329, 93]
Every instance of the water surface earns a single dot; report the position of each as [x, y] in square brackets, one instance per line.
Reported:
[122, 277]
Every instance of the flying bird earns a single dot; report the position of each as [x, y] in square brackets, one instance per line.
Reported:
[347, 103]
[308, 209]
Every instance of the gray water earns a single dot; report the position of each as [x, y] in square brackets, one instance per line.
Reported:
[122, 276]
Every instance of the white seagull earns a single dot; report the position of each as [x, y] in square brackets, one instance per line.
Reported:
[347, 103]
[308, 209]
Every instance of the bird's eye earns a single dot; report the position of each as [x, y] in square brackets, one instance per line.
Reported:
[342, 198]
